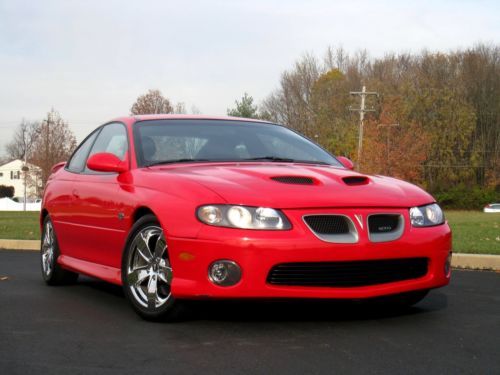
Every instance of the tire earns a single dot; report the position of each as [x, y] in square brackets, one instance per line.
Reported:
[147, 274]
[53, 273]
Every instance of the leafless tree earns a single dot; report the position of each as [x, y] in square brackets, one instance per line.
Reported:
[180, 109]
[153, 102]
[55, 143]
[20, 146]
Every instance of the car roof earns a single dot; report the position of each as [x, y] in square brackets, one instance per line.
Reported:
[133, 119]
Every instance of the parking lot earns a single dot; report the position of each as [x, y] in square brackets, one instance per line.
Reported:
[89, 328]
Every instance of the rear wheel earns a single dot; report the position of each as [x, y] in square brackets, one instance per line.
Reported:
[147, 273]
[52, 273]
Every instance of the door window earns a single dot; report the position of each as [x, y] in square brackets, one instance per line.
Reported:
[112, 139]
[77, 162]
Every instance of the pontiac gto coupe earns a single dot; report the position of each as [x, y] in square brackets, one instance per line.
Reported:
[178, 207]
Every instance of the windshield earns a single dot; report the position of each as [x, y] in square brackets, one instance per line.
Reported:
[171, 141]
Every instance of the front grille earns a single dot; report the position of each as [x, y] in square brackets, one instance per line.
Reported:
[383, 223]
[385, 227]
[295, 180]
[347, 274]
[327, 224]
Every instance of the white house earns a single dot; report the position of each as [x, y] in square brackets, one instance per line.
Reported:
[11, 174]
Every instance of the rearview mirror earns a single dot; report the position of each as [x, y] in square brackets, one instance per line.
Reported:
[346, 162]
[106, 162]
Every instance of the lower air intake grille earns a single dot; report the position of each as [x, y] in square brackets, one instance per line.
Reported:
[328, 224]
[347, 274]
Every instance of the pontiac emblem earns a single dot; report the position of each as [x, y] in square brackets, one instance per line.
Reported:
[359, 218]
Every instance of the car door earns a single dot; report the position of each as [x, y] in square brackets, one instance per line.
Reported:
[100, 229]
[60, 196]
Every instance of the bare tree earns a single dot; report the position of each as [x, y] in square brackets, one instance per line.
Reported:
[290, 103]
[180, 108]
[195, 110]
[151, 103]
[22, 142]
[55, 143]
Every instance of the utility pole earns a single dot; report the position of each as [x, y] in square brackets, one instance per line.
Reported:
[387, 171]
[25, 168]
[362, 110]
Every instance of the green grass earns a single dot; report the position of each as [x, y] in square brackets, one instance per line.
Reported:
[19, 225]
[473, 231]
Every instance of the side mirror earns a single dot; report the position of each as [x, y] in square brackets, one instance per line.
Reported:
[106, 162]
[346, 162]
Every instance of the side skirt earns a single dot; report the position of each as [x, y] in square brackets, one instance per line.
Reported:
[106, 273]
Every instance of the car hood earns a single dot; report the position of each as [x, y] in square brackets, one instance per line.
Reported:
[299, 185]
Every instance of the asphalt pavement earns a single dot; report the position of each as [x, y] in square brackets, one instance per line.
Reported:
[89, 328]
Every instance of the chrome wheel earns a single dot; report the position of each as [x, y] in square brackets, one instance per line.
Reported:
[149, 274]
[48, 249]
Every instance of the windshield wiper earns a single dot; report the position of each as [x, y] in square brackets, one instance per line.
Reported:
[174, 161]
[285, 160]
[271, 158]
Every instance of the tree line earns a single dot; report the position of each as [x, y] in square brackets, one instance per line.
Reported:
[436, 119]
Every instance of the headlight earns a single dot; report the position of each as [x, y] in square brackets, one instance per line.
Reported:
[426, 216]
[243, 217]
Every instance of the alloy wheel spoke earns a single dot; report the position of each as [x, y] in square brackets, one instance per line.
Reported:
[50, 234]
[166, 274]
[46, 239]
[160, 247]
[152, 291]
[137, 276]
[143, 247]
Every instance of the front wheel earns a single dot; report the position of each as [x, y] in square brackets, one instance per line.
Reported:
[147, 273]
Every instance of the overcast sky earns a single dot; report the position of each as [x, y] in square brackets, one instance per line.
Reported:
[90, 59]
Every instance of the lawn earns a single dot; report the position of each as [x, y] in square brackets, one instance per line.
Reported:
[17, 225]
[473, 231]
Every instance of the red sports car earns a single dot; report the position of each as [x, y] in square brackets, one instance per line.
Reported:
[184, 207]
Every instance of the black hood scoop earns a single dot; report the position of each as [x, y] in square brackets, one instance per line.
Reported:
[294, 180]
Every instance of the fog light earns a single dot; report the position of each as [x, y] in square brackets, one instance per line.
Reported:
[447, 266]
[224, 272]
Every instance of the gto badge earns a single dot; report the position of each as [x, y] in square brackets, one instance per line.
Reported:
[384, 229]
[359, 218]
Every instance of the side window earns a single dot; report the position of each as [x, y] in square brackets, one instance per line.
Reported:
[112, 139]
[77, 162]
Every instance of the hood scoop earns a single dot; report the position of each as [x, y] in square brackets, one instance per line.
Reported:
[294, 180]
[356, 180]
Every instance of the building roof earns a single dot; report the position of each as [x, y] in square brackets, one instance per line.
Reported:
[16, 165]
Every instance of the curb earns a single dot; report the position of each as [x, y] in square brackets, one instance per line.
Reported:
[20, 245]
[476, 261]
[459, 260]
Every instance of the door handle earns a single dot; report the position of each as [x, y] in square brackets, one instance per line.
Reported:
[76, 194]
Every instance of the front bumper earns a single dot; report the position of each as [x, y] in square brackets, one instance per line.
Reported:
[256, 252]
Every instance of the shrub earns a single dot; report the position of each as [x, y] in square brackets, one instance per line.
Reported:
[6, 191]
[461, 197]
